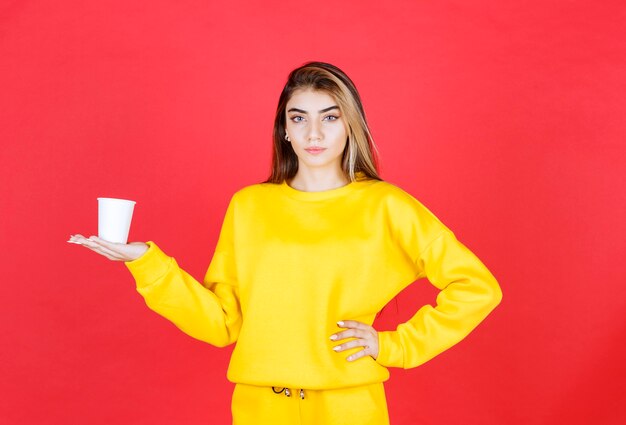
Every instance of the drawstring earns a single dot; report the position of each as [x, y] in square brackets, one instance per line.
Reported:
[288, 392]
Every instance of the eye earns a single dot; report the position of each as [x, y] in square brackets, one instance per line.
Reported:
[295, 118]
[334, 117]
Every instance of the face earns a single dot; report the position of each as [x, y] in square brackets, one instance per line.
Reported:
[316, 129]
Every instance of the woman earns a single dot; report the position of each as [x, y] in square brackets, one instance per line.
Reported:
[303, 263]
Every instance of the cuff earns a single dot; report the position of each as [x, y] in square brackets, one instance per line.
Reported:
[390, 349]
[148, 268]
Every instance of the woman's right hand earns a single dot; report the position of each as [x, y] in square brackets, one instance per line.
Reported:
[112, 250]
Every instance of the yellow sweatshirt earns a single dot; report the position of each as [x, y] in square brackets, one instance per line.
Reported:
[289, 264]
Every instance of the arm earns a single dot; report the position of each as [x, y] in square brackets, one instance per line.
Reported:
[211, 311]
[469, 292]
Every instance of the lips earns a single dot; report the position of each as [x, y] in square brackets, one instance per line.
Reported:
[315, 150]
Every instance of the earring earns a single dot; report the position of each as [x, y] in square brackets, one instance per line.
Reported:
[287, 137]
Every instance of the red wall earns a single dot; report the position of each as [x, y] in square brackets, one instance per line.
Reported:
[506, 119]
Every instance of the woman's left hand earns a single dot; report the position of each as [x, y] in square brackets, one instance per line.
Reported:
[366, 337]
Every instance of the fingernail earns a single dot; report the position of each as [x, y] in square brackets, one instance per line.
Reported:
[337, 348]
[333, 337]
[340, 323]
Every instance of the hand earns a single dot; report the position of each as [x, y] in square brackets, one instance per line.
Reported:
[112, 250]
[367, 337]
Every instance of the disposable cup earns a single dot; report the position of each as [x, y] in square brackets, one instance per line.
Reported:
[114, 217]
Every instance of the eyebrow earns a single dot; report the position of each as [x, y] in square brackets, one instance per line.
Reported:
[321, 112]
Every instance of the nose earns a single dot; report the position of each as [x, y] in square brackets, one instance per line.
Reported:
[314, 131]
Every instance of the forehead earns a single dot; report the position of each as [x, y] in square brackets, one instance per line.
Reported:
[314, 99]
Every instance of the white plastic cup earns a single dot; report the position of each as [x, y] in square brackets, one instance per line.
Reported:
[114, 217]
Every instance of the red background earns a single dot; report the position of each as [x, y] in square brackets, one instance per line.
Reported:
[505, 118]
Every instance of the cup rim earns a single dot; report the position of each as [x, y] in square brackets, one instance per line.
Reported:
[117, 199]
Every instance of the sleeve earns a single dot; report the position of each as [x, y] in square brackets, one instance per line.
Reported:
[208, 311]
[469, 292]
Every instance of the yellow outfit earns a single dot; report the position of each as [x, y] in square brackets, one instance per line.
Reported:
[362, 405]
[289, 264]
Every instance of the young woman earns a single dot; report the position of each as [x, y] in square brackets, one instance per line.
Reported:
[303, 263]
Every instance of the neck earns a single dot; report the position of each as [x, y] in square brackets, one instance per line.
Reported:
[318, 180]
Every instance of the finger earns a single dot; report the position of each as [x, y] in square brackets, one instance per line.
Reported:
[352, 344]
[100, 249]
[108, 253]
[110, 247]
[357, 355]
[350, 333]
[109, 257]
[77, 239]
[352, 324]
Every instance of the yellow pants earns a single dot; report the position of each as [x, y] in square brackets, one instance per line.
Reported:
[362, 405]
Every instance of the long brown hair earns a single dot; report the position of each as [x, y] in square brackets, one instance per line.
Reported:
[359, 154]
